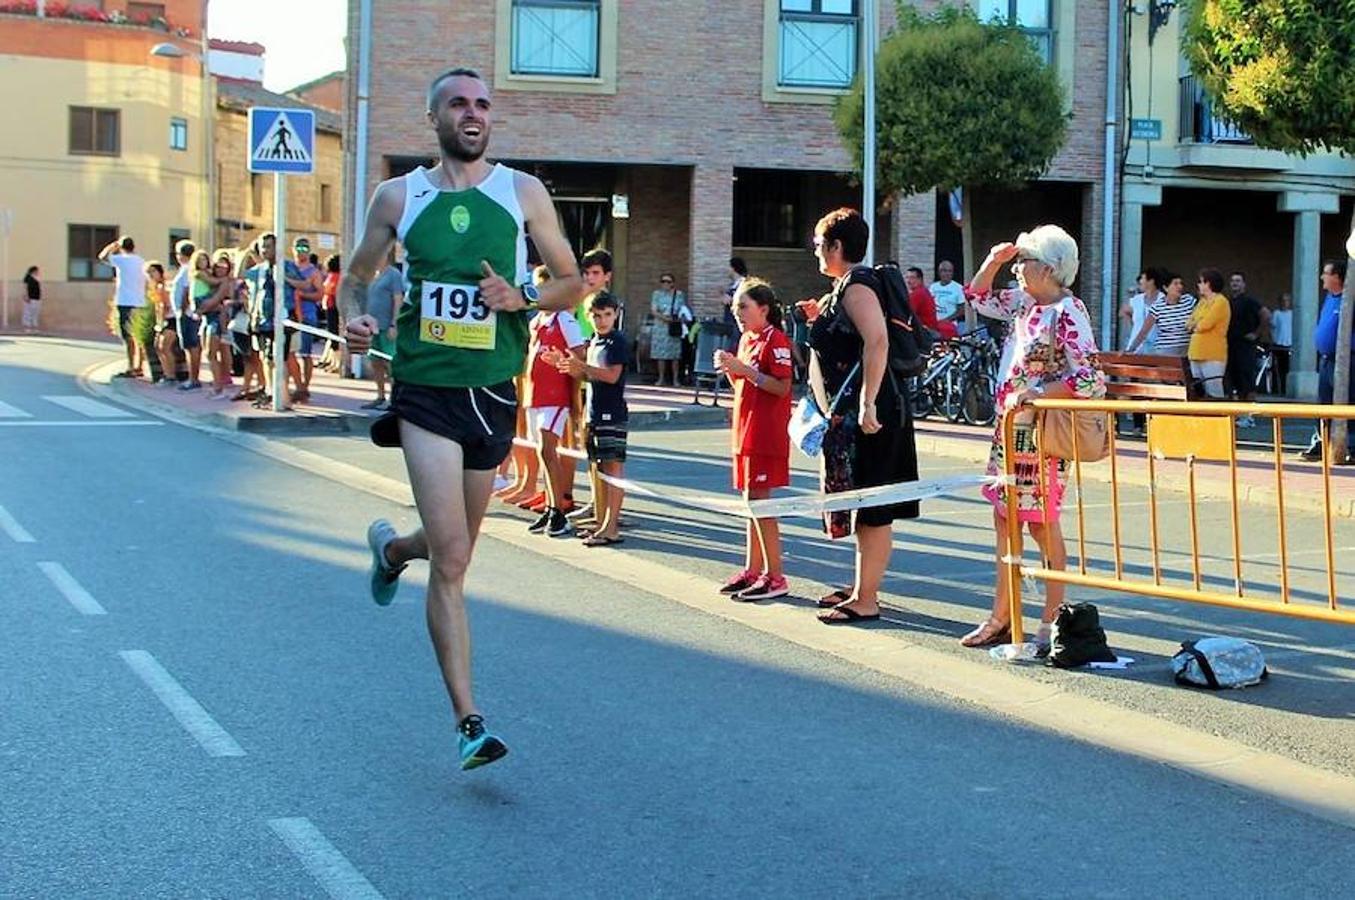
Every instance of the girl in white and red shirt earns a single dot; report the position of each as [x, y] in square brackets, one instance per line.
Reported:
[761, 374]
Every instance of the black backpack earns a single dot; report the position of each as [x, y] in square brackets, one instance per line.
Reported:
[910, 342]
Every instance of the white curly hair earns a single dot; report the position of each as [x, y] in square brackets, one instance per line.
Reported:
[1054, 247]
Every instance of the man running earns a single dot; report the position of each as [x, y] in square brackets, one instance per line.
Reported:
[461, 337]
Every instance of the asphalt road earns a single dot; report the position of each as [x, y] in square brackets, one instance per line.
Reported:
[200, 700]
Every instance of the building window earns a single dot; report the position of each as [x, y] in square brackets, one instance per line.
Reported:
[1035, 18]
[256, 195]
[818, 43]
[176, 235]
[326, 203]
[95, 131]
[178, 134]
[83, 243]
[556, 37]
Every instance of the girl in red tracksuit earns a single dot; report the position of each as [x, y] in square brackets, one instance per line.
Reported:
[761, 375]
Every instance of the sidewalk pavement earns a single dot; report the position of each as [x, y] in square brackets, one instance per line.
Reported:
[335, 407]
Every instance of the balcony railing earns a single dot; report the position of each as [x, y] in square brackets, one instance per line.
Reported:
[1199, 125]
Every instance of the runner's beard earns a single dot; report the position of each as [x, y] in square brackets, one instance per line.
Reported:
[455, 146]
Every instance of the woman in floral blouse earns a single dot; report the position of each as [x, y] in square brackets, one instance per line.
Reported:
[1050, 352]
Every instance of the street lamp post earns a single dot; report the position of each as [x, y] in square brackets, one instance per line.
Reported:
[167, 50]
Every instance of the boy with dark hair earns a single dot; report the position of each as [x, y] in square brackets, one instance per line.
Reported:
[596, 269]
[604, 372]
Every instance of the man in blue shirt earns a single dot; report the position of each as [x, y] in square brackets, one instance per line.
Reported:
[1324, 340]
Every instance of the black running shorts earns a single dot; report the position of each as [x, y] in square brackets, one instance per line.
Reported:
[482, 420]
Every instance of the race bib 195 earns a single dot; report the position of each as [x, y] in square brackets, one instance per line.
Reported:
[455, 315]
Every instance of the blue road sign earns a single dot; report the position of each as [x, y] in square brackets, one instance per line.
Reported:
[1145, 129]
[281, 140]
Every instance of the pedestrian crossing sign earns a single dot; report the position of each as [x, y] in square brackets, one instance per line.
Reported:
[281, 140]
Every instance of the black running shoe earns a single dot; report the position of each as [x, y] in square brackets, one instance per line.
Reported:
[559, 526]
[542, 522]
[478, 747]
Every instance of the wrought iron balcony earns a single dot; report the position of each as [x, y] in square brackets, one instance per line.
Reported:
[1199, 125]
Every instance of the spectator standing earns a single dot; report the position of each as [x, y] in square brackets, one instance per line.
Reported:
[32, 299]
[549, 394]
[1324, 341]
[262, 310]
[869, 440]
[526, 466]
[384, 296]
[129, 296]
[738, 271]
[1167, 319]
[251, 367]
[665, 340]
[157, 298]
[761, 373]
[596, 269]
[1208, 327]
[1281, 343]
[181, 307]
[603, 371]
[216, 323]
[303, 291]
[923, 305]
[1246, 320]
[329, 311]
[1134, 311]
[1050, 352]
[949, 296]
[201, 293]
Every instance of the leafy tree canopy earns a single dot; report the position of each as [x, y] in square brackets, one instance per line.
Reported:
[1282, 70]
[958, 102]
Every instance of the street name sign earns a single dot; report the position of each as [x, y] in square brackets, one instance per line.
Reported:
[1145, 129]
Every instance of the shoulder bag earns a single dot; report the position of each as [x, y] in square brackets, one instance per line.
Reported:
[807, 425]
[1057, 430]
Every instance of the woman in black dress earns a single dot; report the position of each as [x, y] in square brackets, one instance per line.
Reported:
[870, 435]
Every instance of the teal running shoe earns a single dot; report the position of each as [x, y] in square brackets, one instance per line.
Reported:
[385, 580]
[478, 747]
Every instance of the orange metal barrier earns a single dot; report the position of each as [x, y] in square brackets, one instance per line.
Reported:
[1191, 432]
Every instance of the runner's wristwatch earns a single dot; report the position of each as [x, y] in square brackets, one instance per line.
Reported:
[531, 295]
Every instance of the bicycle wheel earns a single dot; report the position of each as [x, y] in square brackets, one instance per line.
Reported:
[919, 398]
[952, 396]
[979, 405]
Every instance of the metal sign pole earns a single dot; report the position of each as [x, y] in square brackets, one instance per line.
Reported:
[6, 224]
[279, 288]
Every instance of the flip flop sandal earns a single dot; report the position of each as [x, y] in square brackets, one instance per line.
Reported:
[987, 635]
[850, 616]
[841, 595]
[598, 540]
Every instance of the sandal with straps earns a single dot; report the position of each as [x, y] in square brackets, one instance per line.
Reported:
[988, 634]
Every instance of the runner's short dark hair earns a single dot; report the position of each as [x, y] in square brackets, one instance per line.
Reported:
[603, 300]
[598, 257]
[458, 72]
[847, 226]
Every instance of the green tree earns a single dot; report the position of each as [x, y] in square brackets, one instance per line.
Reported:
[958, 103]
[1281, 70]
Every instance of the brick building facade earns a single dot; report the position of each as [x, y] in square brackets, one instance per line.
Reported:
[697, 114]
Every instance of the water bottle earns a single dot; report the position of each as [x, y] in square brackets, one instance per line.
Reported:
[1022, 652]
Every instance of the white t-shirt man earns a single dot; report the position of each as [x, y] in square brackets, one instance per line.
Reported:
[949, 298]
[131, 278]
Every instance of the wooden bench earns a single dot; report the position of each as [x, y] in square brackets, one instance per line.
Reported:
[1140, 376]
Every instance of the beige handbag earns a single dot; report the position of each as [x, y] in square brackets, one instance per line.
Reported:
[1054, 434]
[1054, 430]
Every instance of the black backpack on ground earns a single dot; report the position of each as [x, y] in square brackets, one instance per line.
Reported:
[1078, 637]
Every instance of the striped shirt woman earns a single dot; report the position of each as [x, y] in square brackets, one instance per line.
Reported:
[1169, 314]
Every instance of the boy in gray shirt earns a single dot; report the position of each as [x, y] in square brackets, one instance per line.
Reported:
[384, 297]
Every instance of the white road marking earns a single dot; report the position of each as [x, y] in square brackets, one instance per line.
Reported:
[11, 527]
[87, 407]
[73, 423]
[71, 589]
[11, 412]
[340, 879]
[195, 720]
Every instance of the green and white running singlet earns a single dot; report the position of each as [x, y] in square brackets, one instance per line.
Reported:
[446, 335]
